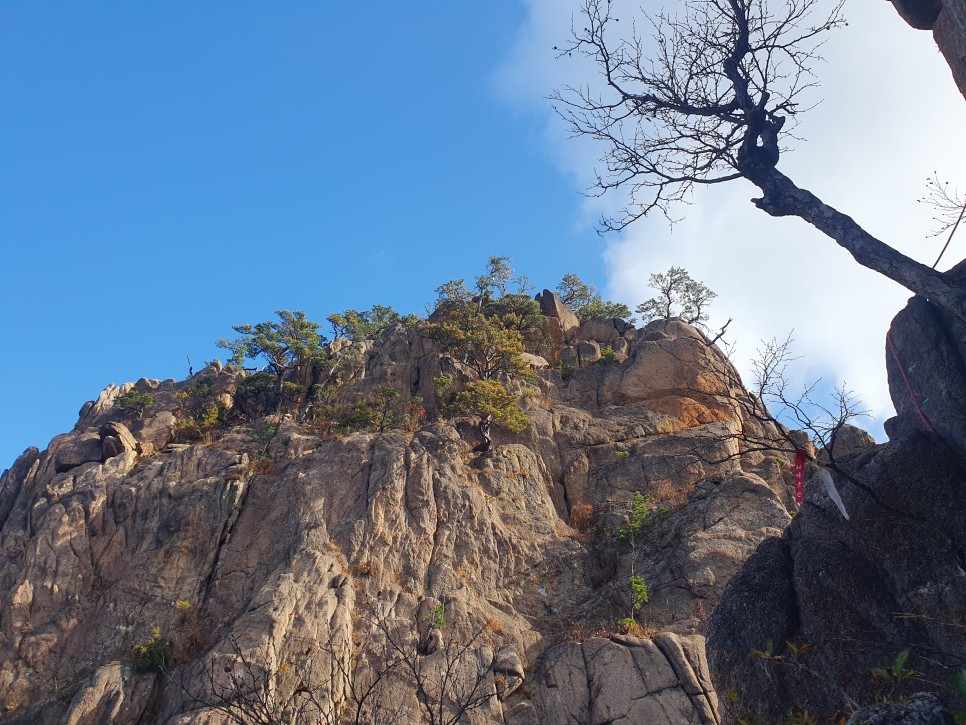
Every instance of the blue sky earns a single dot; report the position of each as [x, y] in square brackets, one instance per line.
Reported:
[169, 169]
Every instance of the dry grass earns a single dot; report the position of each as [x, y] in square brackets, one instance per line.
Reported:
[465, 572]
[666, 493]
[262, 466]
[581, 630]
[634, 629]
[193, 634]
[582, 517]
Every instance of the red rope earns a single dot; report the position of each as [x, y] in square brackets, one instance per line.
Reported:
[902, 371]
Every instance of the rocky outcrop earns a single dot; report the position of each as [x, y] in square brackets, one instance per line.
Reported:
[626, 680]
[116, 439]
[113, 694]
[282, 550]
[926, 364]
[950, 34]
[921, 709]
[562, 323]
[920, 14]
[947, 20]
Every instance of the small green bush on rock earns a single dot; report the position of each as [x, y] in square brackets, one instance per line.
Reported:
[135, 402]
[153, 655]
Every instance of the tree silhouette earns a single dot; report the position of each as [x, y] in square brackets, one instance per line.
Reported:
[709, 98]
[678, 296]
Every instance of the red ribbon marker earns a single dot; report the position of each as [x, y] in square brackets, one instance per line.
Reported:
[799, 476]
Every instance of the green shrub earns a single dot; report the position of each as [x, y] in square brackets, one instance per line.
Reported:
[359, 325]
[135, 402]
[583, 299]
[415, 413]
[262, 382]
[153, 655]
[442, 382]
[292, 390]
[438, 617]
[607, 355]
[203, 387]
[385, 404]
[642, 513]
[892, 677]
[638, 592]
[255, 395]
[627, 624]
[491, 403]
[359, 416]
[264, 433]
[897, 673]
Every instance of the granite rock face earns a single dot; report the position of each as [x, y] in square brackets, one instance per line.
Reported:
[308, 556]
[926, 363]
[626, 680]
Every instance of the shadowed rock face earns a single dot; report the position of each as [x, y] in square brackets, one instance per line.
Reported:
[947, 20]
[921, 709]
[926, 363]
[950, 34]
[920, 14]
[892, 578]
[303, 564]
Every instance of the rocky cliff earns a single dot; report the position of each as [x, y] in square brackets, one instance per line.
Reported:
[394, 576]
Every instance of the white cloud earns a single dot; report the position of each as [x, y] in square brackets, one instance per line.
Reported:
[890, 115]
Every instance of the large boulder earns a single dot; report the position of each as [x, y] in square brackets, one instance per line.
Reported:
[116, 439]
[926, 364]
[75, 450]
[114, 694]
[627, 680]
[602, 330]
[847, 440]
[562, 323]
[921, 709]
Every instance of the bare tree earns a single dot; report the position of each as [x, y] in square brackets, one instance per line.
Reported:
[450, 681]
[949, 208]
[341, 683]
[265, 689]
[774, 399]
[709, 98]
[777, 415]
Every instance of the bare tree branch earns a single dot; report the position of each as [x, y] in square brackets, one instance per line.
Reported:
[706, 98]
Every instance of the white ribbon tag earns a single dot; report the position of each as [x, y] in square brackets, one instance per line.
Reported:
[833, 493]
